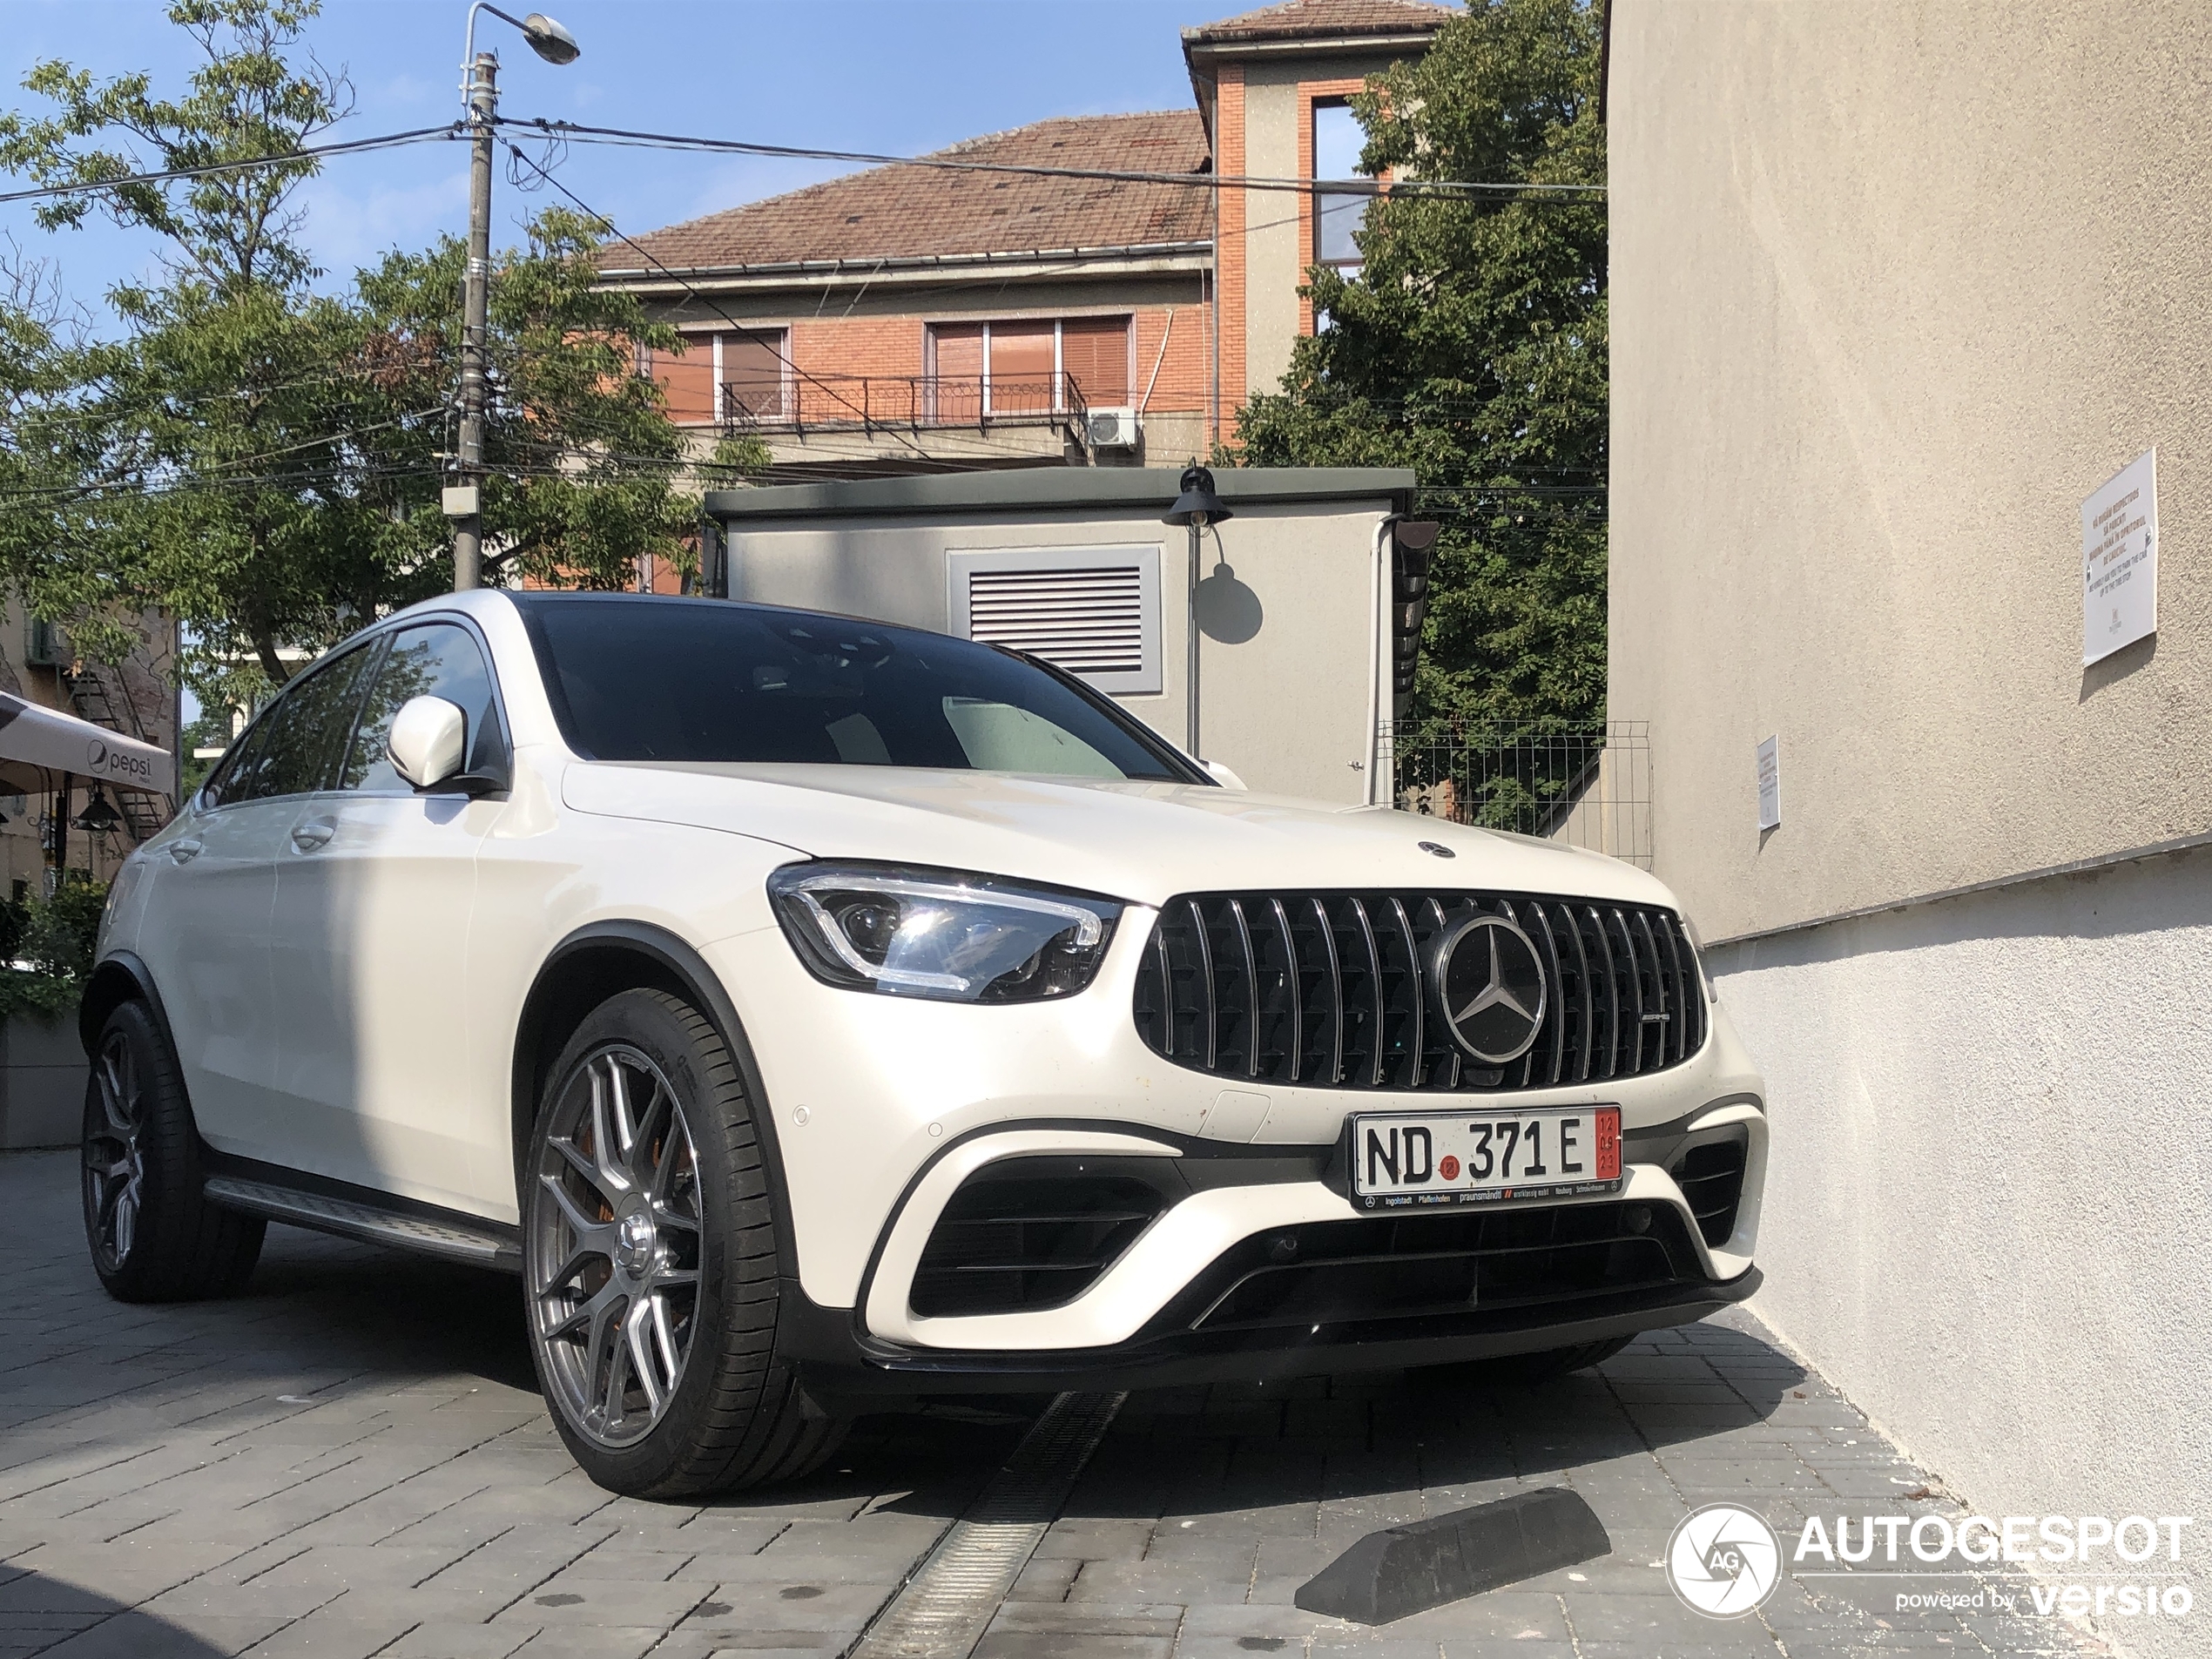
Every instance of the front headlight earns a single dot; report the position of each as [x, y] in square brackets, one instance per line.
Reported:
[941, 933]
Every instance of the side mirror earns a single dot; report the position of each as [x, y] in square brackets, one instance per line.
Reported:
[1222, 775]
[429, 737]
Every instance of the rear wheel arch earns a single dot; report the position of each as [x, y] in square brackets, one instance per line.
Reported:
[602, 959]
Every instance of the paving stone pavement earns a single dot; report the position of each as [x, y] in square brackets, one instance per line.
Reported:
[351, 1461]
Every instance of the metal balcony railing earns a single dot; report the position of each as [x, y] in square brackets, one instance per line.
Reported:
[911, 402]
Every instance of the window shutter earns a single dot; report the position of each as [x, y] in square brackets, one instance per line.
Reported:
[1093, 612]
[1021, 379]
[688, 380]
[1094, 352]
[752, 375]
[956, 386]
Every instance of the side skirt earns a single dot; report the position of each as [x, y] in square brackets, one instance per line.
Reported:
[375, 1218]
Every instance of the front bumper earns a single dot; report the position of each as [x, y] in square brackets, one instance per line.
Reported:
[846, 1372]
[1258, 1266]
[882, 1106]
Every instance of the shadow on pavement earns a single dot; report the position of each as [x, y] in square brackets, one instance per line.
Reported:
[332, 1302]
[38, 1613]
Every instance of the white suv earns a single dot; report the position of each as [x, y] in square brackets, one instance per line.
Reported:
[819, 1014]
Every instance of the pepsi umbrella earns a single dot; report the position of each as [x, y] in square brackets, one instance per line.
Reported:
[38, 743]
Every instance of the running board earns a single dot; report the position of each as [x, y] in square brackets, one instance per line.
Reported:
[453, 1239]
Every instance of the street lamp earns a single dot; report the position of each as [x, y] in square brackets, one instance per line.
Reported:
[480, 95]
[1197, 507]
[98, 816]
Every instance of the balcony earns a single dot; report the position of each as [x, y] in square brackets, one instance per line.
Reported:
[870, 403]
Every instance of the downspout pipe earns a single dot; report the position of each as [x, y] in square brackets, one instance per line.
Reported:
[1377, 613]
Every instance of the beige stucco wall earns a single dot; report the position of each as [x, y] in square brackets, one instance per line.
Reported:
[1894, 286]
[1275, 254]
[1283, 704]
[1277, 249]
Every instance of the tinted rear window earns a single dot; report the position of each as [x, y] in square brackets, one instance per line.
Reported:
[691, 680]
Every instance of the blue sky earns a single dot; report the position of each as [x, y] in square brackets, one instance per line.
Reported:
[893, 75]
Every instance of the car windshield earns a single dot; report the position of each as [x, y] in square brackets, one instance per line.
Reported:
[634, 677]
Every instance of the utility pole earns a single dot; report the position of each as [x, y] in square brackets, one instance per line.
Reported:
[464, 501]
[468, 524]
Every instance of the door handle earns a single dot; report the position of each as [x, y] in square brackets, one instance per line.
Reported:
[184, 852]
[315, 833]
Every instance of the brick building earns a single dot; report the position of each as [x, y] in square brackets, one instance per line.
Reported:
[919, 316]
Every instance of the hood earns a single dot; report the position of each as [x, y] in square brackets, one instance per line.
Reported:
[1143, 842]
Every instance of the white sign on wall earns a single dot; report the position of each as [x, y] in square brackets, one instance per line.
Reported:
[2120, 560]
[1770, 783]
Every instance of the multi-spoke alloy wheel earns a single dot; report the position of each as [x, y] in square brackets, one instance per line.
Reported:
[616, 1286]
[154, 1236]
[651, 1266]
[115, 1171]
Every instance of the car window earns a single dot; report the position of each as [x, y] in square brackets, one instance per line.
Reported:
[429, 659]
[634, 678]
[294, 747]
[234, 774]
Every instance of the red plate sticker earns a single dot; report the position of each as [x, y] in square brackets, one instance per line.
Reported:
[1609, 1142]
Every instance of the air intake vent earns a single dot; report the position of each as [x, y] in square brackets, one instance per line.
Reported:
[1029, 1233]
[1431, 1267]
[1711, 1179]
[1335, 990]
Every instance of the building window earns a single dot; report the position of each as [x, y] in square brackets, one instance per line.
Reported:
[735, 377]
[1033, 365]
[1338, 140]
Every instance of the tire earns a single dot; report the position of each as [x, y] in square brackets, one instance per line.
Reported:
[153, 1236]
[1524, 1370]
[650, 1263]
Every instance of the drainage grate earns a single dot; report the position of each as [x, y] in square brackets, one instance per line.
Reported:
[946, 1606]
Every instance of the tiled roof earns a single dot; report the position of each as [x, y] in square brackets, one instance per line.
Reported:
[907, 212]
[1298, 19]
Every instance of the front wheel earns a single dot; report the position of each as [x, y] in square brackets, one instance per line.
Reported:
[650, 1264]
[154, 1238]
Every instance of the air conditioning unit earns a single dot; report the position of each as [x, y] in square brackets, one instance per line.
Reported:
[1112, 428]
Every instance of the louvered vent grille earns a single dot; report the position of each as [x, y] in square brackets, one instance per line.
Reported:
[1088, 621]
[1335, 990]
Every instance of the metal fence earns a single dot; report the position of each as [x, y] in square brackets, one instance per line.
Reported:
[1590, 788]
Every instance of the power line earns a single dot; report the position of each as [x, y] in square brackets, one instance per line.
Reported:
[1459, 188]
[350, 147]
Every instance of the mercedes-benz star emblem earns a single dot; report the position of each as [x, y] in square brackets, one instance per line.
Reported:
[1492, 984]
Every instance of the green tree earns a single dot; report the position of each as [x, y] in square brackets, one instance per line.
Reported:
[1471, 347]
[263, 460]
[36, 475]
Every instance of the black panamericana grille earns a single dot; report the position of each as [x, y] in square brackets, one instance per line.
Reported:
[1333, 989]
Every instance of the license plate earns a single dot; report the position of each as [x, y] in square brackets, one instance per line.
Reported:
[1485, 1157]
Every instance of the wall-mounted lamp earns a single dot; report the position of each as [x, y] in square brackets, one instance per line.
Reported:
[1197, 507]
